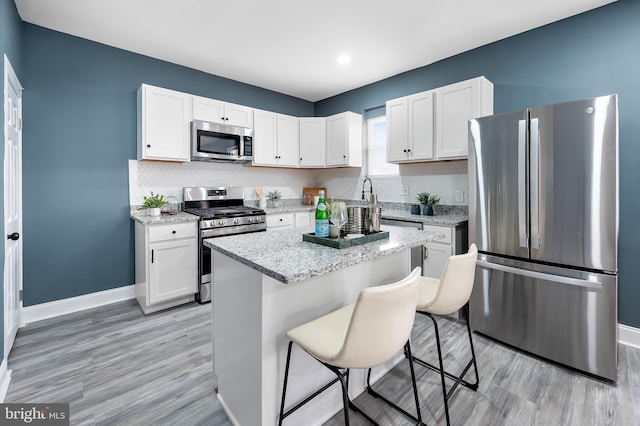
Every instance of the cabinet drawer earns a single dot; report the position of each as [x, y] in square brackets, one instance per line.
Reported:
[172, 231]
[284, 220]
[447, 231]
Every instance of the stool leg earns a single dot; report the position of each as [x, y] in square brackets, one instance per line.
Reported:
[473, 386]
[413, 382]
[444, 386]
[284, 386]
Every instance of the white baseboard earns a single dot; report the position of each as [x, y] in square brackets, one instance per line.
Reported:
[629, 336]
[5, 379]
[47, 310]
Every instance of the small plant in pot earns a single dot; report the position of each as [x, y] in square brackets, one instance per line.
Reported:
[153, 203]
[273, 198]
[428, 201]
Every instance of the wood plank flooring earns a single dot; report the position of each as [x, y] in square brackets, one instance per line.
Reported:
[115, 366]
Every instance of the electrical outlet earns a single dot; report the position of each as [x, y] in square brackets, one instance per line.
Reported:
[404, 189]
[459, 195]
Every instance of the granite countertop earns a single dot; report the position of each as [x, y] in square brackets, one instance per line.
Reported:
[290, 209]
[146, 219]
[283, 255]
[445, 219]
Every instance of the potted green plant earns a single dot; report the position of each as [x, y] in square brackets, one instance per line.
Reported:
[428, 201]
[273, 198]
[153, 203]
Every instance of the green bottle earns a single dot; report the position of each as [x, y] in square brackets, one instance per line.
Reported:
[322, 217]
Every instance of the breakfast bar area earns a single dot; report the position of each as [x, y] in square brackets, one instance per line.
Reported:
[267, 283]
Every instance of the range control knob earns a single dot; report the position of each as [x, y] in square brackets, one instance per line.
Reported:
[221, 222]
[236, 221]
[250, 220]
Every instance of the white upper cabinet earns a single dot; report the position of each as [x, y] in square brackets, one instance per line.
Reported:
[410, 128]
[344, 140]
[265, 150]
[287, 137]
[275, 139]
[432, 125]
[312, 141]
[456, 104]
[215, 111]
[163, 124]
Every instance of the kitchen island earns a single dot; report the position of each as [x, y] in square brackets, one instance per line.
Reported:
[269, 282]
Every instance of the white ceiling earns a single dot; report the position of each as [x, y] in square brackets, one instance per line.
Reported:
[291, 46]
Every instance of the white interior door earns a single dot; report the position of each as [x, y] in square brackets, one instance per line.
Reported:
[12, 204]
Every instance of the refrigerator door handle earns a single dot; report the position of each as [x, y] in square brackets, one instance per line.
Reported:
[595, 285]
[535, 190]
[522, 159]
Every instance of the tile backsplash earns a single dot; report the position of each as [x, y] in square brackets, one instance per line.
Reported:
[446, 179]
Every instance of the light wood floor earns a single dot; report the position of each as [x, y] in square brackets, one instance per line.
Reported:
[114, 366]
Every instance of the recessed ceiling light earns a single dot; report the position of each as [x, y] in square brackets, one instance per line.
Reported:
[344, 59]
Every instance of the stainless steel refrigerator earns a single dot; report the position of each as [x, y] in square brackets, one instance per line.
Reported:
[543, 211]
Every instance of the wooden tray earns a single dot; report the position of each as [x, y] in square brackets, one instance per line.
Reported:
[344, 242]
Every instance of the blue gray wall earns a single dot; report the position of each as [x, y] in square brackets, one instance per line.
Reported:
[10, 42]
[595, 53]
[79, 132]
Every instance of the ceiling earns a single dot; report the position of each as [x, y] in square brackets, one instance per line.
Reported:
[291, 46]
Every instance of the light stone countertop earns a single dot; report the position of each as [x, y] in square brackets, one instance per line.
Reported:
[146, 219]
[445, 219]
[283, 255]
[290, 209]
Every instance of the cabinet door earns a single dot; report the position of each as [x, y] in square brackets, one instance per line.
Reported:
[421, 126]
[264, 138]
[397, 129]
[238, 115]
[312, 141]
[287, 137]
[337, 140]
[165, 116]
[303, 219]
[173, 269]
[206, 109]
[435, 256]
[280, 221]
[456, 105]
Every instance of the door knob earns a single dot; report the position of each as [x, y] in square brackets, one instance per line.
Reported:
[15, 236]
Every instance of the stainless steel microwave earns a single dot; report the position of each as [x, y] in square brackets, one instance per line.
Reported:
[220, 142]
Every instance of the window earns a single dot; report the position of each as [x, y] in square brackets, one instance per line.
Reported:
[377, 140]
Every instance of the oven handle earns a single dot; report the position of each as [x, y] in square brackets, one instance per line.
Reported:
[231, 230]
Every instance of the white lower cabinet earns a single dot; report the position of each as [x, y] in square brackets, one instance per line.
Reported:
[166, 265]
[303, 219]
[277, 221]
[436, 253]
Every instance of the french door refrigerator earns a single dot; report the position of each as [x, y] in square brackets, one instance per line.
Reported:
[543, 212]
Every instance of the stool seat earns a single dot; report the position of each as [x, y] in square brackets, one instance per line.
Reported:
[324, 337]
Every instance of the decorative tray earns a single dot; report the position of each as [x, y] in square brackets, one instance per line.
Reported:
[344, 242]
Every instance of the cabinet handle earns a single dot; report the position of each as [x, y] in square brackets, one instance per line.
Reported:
[151, 255]
[404, 150]
[408, 150]
[173, 232]
[426, 253]
[148, 146]
[300, 158]
[280, 219]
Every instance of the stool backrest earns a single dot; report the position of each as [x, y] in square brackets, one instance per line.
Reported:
[381, 323]
[456, 283]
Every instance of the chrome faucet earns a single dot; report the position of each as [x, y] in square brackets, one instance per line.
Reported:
[366, 178]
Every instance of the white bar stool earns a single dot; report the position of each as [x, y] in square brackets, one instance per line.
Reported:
[364, 334]
[445, 296]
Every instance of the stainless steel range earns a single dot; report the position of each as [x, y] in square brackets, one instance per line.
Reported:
[222, 212]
